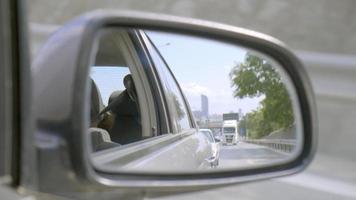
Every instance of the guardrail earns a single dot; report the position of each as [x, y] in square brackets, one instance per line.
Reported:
[280, 145]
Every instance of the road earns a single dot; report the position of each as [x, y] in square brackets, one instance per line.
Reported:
[244, 154]
[315, 183]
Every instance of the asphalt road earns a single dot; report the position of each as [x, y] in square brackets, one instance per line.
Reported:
[316, 183]
[244, 154]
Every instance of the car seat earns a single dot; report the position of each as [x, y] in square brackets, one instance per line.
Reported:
[100, 138]
[127, 121]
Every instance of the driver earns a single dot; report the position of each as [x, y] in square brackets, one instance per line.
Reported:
[121, 116]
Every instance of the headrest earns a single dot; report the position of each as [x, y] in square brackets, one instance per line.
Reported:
[114, 95]
[130, 87]
[95, 102]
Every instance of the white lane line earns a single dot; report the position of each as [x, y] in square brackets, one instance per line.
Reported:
[320, 183]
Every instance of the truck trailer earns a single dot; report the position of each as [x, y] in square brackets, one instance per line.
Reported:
[230, 135]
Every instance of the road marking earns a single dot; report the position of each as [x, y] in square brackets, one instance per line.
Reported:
[320, 183]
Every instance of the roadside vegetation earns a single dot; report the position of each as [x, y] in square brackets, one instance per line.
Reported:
[256, 77]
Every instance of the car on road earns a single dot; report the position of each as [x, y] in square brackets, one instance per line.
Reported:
[230, 129]
[215, 146]
[229, 133]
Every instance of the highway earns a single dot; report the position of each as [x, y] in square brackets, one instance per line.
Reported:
[316, 183]
[244, 154]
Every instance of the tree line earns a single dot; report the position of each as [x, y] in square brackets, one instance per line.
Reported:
[256, 77]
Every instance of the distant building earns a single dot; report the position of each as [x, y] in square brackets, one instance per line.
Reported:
[204, 106]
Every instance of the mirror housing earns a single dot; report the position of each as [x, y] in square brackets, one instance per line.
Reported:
[60, 85]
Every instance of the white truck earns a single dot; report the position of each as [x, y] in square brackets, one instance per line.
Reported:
[230, 133]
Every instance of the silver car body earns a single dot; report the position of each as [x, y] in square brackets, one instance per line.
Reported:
[215, 147]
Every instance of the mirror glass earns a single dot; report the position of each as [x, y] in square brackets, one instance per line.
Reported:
[163, 102]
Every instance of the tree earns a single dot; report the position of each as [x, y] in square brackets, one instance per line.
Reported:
[254, 78]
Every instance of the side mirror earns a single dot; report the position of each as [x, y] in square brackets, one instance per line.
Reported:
[144, 127]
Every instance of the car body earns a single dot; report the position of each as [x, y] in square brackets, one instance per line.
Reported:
[215, 146]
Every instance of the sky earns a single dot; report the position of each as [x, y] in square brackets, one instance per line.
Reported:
[202, 66]
[107, 80]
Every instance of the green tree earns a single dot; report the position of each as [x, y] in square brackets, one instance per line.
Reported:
[256, 77]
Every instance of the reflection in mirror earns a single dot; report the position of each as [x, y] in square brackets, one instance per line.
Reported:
[173, 103]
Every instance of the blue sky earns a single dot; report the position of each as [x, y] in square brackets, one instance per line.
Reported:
[202, 66]
[108, 80]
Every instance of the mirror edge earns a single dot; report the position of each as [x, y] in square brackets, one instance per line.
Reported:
[78, 146]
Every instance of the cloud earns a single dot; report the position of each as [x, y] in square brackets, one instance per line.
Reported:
[220, 98]
[196, 89]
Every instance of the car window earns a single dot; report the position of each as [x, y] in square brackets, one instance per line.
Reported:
[115, 105]
[109, 79]
[229, 130]
[175, 101]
